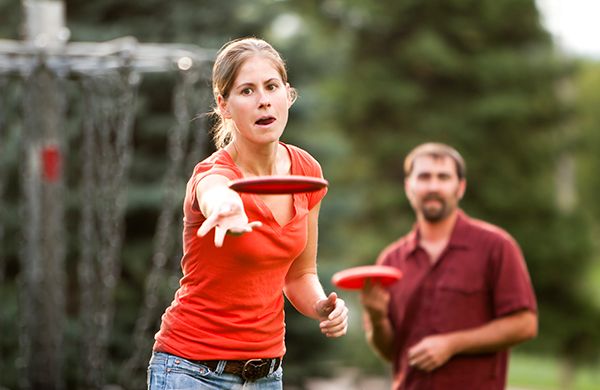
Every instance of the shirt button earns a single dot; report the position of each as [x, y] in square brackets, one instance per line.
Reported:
[169, 369]
[177, 361]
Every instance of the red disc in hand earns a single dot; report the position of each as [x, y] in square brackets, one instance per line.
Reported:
[355, 278]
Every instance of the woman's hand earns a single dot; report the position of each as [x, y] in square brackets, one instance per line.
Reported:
[228, 218]
[334, 316]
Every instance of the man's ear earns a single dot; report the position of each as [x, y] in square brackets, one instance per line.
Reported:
[407, 188]
[462, 187]
[222, 104]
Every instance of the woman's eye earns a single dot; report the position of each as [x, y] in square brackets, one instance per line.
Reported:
[246, 91]
[271, 87]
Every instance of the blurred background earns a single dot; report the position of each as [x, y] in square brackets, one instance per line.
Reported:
[101, 123]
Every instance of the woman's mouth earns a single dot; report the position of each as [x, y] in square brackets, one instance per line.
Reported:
[265, 121]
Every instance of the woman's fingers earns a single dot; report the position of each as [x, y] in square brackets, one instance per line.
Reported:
[336, 324]
[227, 220]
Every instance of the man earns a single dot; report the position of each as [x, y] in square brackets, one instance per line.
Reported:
[465, 297]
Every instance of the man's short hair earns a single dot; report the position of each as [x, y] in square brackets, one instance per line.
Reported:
[436, 150]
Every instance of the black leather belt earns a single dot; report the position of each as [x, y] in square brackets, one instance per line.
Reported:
[249, 370]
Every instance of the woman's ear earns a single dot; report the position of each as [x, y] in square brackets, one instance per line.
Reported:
[289, 95]
[222, 103]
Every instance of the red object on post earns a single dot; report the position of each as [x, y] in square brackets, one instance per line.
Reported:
[51, 163]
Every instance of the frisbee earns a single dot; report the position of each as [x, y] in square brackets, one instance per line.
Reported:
[290, 184]
[355, 278]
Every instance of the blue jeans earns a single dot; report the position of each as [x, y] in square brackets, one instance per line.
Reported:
[170, 372]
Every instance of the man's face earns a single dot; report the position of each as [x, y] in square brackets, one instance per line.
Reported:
[433, 187]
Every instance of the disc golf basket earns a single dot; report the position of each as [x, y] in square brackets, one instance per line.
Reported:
[57, 82]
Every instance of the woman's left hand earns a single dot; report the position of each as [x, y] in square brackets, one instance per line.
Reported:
[334, 316]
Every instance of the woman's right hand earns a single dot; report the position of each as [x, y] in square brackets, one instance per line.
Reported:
[228, 218]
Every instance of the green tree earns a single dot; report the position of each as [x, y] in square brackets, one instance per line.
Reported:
[587, 82]
[481, 76]
[209, 24]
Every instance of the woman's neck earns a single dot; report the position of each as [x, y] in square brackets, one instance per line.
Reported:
[264, 160]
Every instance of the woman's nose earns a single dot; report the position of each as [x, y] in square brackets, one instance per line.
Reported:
[264, 100]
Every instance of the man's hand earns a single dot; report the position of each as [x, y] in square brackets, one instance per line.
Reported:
[375, 300]
[334, 316]
[505, 332]
[431, 353]
[229, 218]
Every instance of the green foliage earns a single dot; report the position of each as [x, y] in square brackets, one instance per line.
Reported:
[481, 76]
[587, 119]
[11, 15]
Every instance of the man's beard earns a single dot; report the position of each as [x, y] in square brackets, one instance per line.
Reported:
[434, 214]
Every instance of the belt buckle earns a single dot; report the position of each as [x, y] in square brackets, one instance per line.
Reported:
[253, 371]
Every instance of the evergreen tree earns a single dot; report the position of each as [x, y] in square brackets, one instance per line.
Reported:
[481, 76]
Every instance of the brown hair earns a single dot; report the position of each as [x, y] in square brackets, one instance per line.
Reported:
[225, 70]
[436, 150]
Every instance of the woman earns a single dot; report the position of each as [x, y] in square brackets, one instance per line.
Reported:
[225, 327]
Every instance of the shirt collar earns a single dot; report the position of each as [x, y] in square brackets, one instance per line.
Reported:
[458, 239]
[412, 240]
[461, 235]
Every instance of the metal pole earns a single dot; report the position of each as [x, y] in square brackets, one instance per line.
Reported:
[44, 150]
[44, 24]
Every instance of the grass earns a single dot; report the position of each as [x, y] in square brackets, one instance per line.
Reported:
[533, 372]
[543, 373]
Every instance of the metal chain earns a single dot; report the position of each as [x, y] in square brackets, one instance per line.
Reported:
[29, 252]
[104, 71]
[106, 159]
[198, 148]
[168, 232]
[3, 84]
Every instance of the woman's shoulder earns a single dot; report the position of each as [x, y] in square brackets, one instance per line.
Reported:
[303, 162]
[217, 163]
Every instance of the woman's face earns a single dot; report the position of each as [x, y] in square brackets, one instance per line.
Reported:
[258, 102]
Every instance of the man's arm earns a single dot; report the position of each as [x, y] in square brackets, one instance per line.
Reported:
[378, 328]
[380, 336]
[502, 333]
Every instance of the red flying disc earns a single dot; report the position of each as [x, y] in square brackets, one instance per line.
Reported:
[278, 184]
[355, 278]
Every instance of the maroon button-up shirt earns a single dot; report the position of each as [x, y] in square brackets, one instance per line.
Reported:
[480, 276]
